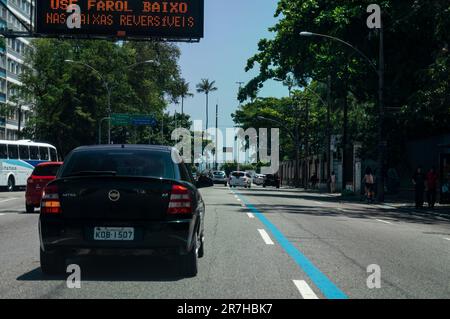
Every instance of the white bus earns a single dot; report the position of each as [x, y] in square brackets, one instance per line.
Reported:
[18, 159]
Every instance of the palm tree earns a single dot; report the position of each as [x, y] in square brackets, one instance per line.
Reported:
[205, 86]
[184, 93]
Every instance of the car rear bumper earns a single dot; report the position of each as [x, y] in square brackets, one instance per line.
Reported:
[239, 183]
[74, 236]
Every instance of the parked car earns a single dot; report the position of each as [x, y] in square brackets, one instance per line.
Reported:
[205, 178]
[258, 179]
[272, 180]
[241, 179]
[220, 177]
[122, 199]
[40, 177]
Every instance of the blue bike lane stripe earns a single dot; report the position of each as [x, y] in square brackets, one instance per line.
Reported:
[326, 286]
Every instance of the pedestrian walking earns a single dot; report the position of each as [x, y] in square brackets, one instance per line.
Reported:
[431, 182]
[332, 182]
[419, 187]
[369, 182]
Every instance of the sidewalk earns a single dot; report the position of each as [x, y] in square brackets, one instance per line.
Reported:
[402, 202]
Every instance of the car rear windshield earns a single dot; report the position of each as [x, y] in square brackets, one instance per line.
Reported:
[46, 170]
[140, 163]
[219, 173]
[238, 174]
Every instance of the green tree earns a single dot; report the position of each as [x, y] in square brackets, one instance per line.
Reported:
[417, 63]
[184, 93]
[70, 99]
[206, 87]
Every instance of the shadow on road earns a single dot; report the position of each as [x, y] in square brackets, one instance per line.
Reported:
[116, 269]
[360, 213]
[358, 210]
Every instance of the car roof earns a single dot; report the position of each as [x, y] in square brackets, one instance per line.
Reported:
[107, 147]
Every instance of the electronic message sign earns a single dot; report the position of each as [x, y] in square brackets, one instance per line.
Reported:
[173, 19]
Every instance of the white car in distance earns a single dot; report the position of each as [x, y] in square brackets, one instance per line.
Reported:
[240, 179]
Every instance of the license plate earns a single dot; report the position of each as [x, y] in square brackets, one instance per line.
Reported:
[114, 233]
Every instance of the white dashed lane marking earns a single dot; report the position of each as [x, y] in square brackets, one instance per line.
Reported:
[383, 221]
[305, 290]
[265, 236]
[250, 215]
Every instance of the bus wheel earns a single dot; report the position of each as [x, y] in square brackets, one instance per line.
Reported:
[11, 184]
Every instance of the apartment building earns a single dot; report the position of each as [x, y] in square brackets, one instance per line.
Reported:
[12, 52]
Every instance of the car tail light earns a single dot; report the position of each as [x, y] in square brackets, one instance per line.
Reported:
[180, 201]
[50, 203]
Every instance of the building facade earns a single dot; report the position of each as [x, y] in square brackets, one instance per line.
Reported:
[14, 115]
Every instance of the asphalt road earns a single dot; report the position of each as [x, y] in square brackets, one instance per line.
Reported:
[260, 243]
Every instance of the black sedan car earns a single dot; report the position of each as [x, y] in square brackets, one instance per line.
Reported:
[122, 199]
[272, 180]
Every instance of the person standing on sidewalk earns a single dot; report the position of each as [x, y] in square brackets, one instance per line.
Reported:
[419, 187]
[333, 182]
[431, 180]
[369, 182]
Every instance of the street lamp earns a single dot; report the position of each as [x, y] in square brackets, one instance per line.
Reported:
[380, 72]
[108, 88]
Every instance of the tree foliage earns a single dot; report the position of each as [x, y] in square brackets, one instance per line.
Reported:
[417, 63]
[70, 99]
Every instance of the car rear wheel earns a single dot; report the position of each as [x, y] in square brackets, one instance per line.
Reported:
[201, 250]
[52, 263]
[30, 209]
[190, 261]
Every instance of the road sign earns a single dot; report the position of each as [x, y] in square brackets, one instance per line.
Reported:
[143, 120]
[118, 119]
[181, 20]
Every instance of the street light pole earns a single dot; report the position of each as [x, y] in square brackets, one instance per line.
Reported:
[380, 72]
[382, 143]
[107, 86]
[100, 129]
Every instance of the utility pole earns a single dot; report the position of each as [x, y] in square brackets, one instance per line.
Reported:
[217, 130]
[329, 131]
[306, 155]
[345, 140]
[237, 139]
[381, 140]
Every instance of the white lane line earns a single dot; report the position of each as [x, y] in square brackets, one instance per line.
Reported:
[7, 200]
[250, 215]
[265, 236]
[383, 221]
[2, 214]
[305, 290]
[447, 239]
[238, 199]
[341, 210]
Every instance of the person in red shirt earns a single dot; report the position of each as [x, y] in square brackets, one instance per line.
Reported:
[431, 182]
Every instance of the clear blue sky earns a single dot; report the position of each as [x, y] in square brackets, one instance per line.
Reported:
[233, 29]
